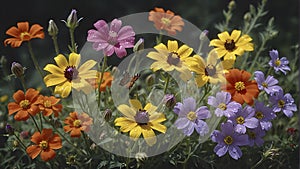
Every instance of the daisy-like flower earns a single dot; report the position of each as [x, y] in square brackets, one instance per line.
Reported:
[279, 64]
[242, 89]
[228, 46]
[223, 104]
[77, 123]
[229, 141]
[24, 104]
[111, 39]
[106, 81]
[67, 74]
[23, 33]
[268, 85]
[45, 144]
[284, 103]
[171, 58]
[190, 117]
[264, 115]
[166, 20]
[139, 120]
[49, 105]
[255, 136]
[210, 71]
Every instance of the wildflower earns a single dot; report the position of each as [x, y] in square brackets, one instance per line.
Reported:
[242, 89]
[23, 33]
[77, 123]
[166, 20]
[68, 75]
[170, 58]
[24, 104]
[45, 144]
[223, 104]
[255, 136]
[228, 46]
[169, 100]
[210, 71]
[278, 64]
[264, 115]
[72, 20]
[268, 85]
[49, 105]
[17, 69]
[111, 39]
[228, 140]
[106, 81]
[283, 103]
[139, 120]
[190, 118]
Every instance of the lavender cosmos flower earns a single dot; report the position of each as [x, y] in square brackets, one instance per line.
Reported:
[190, 118]
[255, 136]
[228, 140]
[283, 103]
[268, 85]
[278, 64]
[244, 118]
[111, 39]
[223, 104]
[264, 115]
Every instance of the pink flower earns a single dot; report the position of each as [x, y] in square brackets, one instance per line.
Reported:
[113, 38]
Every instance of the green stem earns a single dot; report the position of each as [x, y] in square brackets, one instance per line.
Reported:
[101, 78]
[261, 48]
[20, 141]
[73, 45]
[36, 125]
[86, 143]
[167, 84]
[23, 83]
[54, 38]
[258, 163]
[257, 16]
[35, 62]
[41, 121]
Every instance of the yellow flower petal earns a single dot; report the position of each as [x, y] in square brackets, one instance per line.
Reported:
[126, 111]
[136, 104]
[125, 123]
[149, 135]
[212, 58]
[230, 56]
[54, 69]
[61, 61]
[156, 56]
[150, 108]
[221, 52]
[224, 36]
[217, 43]
[184, 51]
[159, 127]
[227, 64]
[88, 74]
[64, 89]
[172, 46]
[201, 80]
[161, 47]
[51, 80]
[135, 132]
[235, 35]
[157, 118]
[87, 65]
[74, 59]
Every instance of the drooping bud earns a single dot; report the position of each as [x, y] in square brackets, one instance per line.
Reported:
[139, 45]
[17, 69]
[9, 129]
[231, 5]
[52, 28]
[169, 100]
[107, 114]
[203, 34]
[72, 20]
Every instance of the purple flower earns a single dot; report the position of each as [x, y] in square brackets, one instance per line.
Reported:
[264, 115]
[283, 103]
[278, 64]
[228, 140]
[268, 85]
[111, 39]
[223, 104]
[255, 136]
[190, 118]
[244, 118]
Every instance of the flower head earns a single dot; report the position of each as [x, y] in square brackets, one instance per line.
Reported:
[283, 103]
[190, 117]
[242, 89]
[255, 136]
[24, 104]
[171, 58]
[166, 20]
[106, 81]
[49, 105]
[138, 120]
[113, 38]
[228, 141]
[268, 85]
[223, 104]
[45, 144]
[278, 64]
[264, 115]
[67, 75]
[77, 123]
[228, 46]
[23, 33]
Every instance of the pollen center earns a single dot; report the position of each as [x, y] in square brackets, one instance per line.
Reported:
[25, 36]
[264, 84]
[230, 45]
[239, 86]
[43, 144]
[259, 115]
[47, 103]
[165, 21]
[240, 120]
[173, 58]
[77, 123]
[191, 116]
[210, 70]
[281, 103]
[277, 62]
[142, 117]
[222, 106]
[228, 140]
[71, 73]
[24, 104]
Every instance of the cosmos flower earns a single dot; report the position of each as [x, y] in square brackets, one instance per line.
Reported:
[49, 105]
[111, 39]
[75, 123]
[279, 64]
[264, 115]
[228, 46]
[190, 117]
[255, 136]
[284, 103]
[106, 81]
[268, 85]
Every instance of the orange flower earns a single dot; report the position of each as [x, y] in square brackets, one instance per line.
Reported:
[240, 87]
[22, 33]
[46, 142]
[106, 81]
[166, 20]
[49, 105]
[24, 104]
[77, 123]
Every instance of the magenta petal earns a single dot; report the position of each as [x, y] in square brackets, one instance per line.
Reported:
[100, 45]
[128, 43]
[115, 25]
[99, 24]
[109, 50]
[94, 36]
[125, 32]
[121, 52]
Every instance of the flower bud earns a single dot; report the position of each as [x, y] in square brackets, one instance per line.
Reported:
[9, 129]
[52, 28]
[203, 34]
[231, 5]
[3, 98]
[169, 100]
[107, 114]
[150, 80]
[247, 17]
[17, 69]
[139, 45]
[140, 157]
[72, 20]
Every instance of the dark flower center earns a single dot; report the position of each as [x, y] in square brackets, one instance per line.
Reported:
[173, 58]
[230, 45]
[281, 103]
[142, 117]
[210, 70]
[259, 115]
[43, 144]
[71, 73]
[252, 135]
[240, 120]
[228, 140]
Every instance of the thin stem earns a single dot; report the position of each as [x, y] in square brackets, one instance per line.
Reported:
[41, 121]
[20, 141]
[73, 45]
[101, 78]
[54, 38]
[36, 125]
[167, 84]
[257, 16]
[258, 163]
[261, 48]
[86, 143]
[35, 62]
[23, 82]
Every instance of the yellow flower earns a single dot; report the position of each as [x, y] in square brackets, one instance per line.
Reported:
[171, 58]
[67, 74]
[210, 71]
[231, 45]
[139, 120]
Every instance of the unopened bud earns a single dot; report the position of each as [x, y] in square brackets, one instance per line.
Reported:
[52, 28]
[150, 80]
[139, 45]
[169, 100]
[107, 114]
[203, 34]
[17, 69]
[72, 20]
[231, 5]
[3, 60]
[9, 129]
[3, 98]
[247, 17]
[140, 157]
[24, 134]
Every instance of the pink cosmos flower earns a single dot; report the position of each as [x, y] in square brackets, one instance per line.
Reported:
[113, 38]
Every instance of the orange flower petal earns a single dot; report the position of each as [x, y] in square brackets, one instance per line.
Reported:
[33, 151]
[47, 154]
[21, 115]
[23, 26]
[75, 132]
[55, 142]
[19, 96]
[13, 107]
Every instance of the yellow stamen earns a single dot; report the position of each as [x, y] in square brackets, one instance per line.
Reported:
[240, 120]
[24, 36]
[24, 104]
[239, 86]
[191, 116]
[222, 106]
[43, 144]
[228, 140]
[259, 115]
[281, 103]
[165, 21]
[264, 84]
[77, 123]
[47, 103]
[277, 62]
